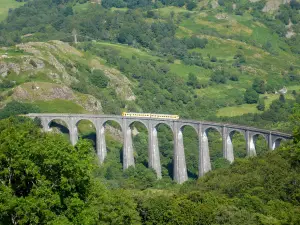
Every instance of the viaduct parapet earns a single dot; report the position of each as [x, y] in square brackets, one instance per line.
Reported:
[273, 138]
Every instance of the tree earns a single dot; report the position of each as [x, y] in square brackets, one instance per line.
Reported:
[191, 5]
[259, 86]
[219, 76]
[261, 105]
[45, 180]
[251, 96]
[193, 81]
[99, 79]
[213, 59]
[282, 98]
[17, 108]
[221, 2]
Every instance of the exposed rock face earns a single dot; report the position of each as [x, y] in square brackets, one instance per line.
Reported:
[222, 16]
[273, 5]
[39, 91]
[3, 69]
[33, 91]
[45, 52]
[37, 63]
[117, 134]
[57, 63]
[6, 67]
[119, 82]
[290, 33]
[214, 4]
[90, 104]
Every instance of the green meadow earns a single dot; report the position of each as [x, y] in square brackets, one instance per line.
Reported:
[5, 5]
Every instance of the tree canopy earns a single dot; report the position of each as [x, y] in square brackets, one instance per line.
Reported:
[45, 180]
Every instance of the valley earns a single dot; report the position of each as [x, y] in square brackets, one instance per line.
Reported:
[228, 62]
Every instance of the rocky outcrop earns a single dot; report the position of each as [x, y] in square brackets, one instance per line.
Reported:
[273, 5]
[119, 82]
[46, 52]
[40, 91]
[214, 4]
[58, 63]
[6, 67]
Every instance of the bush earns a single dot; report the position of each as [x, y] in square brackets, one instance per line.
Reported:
[214, 59]
[191, 5]
[259, 86]
[261, 105]
[17, 108]
[219, 77]
[99, 79]
[251, 96]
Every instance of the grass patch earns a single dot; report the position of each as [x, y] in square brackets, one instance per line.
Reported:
[5, 5]
[86, 128]
[251, 108]
[183, 71]
[127, 51]
[59, 106]
[238, 110]
[166, 11]
[81, 7]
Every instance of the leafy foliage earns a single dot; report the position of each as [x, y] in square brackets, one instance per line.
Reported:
[251, 96]
[46, 180]
[99, 79]
[17, 108]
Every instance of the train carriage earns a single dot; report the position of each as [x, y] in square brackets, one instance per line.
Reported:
[150, 115]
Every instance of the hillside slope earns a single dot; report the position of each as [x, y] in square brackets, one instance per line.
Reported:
[49, 72]
[194, 60]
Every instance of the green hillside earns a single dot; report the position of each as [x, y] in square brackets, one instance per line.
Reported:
[218, 60]
[199, 61]
[223, 63]
[208, 54]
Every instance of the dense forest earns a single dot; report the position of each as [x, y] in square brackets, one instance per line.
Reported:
[45, 180]
[197, 59]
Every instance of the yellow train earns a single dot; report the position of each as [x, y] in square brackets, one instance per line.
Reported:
[151, 115]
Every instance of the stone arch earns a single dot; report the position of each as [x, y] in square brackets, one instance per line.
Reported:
[194, 126]
[86, 129]
[256, 135]
[235, 144]
[87, 119]
[233, 131]
[118, 122]
[208, 128]
[62, 120]
[276, 142]
[190, 134]
[60, 124]
[260, 143]
[130, 121]
[110, 142]
[156, 124]
[212, 144]
[165, 147]
[138, 141]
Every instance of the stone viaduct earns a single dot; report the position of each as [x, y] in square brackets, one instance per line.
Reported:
[273, 138]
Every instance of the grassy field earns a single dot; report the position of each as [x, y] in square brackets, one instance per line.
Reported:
[237, 110]
[81, 7]
[59, 106]
[251, 108]
[128, 52]
[5, 5]
[184, 70]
